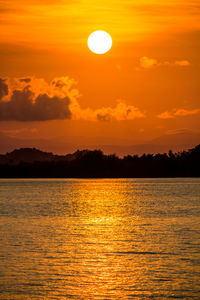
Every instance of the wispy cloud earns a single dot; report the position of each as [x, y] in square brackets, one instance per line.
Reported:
[184, 112]
[147, 63]
[16, 132]
[165, 115]
[179, 131]
[182, 63]
[181, 112]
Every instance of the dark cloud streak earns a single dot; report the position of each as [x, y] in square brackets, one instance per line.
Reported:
[3, 88]
[23, 106]
[27, 80]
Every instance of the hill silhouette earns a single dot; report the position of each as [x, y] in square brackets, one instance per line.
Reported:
[177, 140]
[33, 163]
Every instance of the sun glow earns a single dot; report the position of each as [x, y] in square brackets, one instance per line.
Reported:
[99, 42]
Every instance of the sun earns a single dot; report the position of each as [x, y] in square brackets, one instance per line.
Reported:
[99, 42]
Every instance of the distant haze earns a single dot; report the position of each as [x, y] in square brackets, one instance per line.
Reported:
[63, 145]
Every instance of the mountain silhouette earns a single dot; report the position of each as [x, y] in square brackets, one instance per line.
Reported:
[34, 163]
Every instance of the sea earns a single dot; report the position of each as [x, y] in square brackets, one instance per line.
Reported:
[100, 238]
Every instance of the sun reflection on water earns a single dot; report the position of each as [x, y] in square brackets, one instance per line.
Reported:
[97, 239]
[94, 239]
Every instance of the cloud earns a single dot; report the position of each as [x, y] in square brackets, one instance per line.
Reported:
[27, 80]
[3, 88]
[120, 112]
[32, 99]
[147, 63]
[16, 132]
[23, 107]
[178, 113]
[165, 115]
[182, 63]
[184, 112]
[178, 131]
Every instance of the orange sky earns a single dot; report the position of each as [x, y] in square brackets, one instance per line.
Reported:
[145, 87]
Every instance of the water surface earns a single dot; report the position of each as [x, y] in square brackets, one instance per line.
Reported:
[100, 239]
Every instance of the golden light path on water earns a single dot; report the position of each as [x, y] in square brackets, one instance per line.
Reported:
[100, 239]
[95, 237]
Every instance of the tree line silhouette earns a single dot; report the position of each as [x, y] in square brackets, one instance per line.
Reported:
[95, 164]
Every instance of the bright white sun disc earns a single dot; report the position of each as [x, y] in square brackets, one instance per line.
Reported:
[99, 42]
